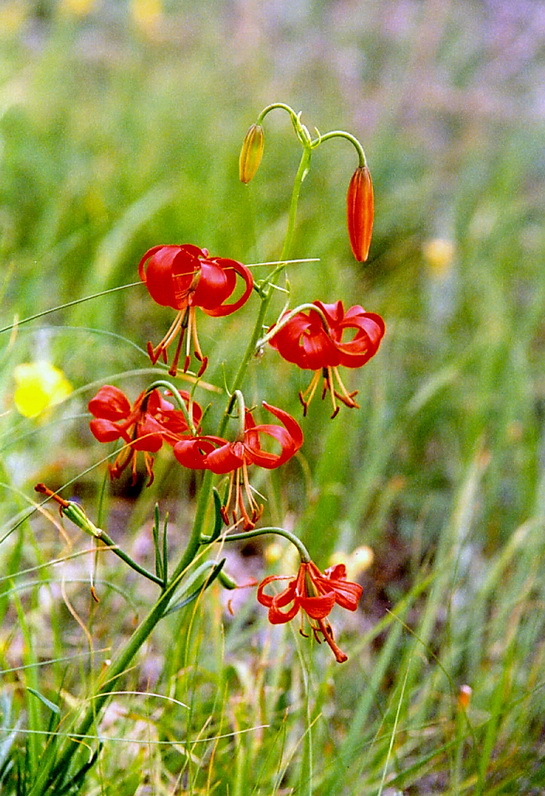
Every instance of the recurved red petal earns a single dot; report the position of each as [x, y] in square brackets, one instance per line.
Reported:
[347, 592]
[290, 439]
[305, 341]
[213, 288]
[110, 403]
[157, 404]
[318, 607]
[336, 572]
[193, 452]
[149, 435]
[334, 312]
[234, 267]
[276, 616]
[370, 329]
[105, 430]
[226, 458]
[155, 269]
[291, 424]
[266, 599]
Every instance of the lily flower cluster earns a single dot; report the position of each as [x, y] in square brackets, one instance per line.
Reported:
[153, 420]
[318, 336]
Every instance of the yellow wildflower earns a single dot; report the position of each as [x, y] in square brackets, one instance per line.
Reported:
[13, 14]
[147, 14]
[40, 385]
[79, 8]
[439, 255]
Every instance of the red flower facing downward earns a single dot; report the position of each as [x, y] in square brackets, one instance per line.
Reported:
[315, 594]
[144, 426]
[185, 277]
[326, 338]
[222, 457]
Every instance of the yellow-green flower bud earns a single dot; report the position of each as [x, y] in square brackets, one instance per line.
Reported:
[251, 153]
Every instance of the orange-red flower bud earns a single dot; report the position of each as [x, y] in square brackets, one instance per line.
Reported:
[464, 697]
[251, 153]
[359, 211]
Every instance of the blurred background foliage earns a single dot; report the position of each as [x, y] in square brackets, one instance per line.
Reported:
[120, 127]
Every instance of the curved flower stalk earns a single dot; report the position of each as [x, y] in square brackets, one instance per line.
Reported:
[314, 593]
[223, 457]
[359, 198]
[186, 277]
[316, 340]
[144, 426]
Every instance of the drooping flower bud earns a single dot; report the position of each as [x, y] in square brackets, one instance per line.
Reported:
[251, 153]
[359, 212]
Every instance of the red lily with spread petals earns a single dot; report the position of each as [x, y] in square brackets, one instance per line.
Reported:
[222, 457]
[316, 340]
[185, 277]
[144, 426]
[315, 594]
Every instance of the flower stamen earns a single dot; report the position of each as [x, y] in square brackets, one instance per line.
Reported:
[307, 396]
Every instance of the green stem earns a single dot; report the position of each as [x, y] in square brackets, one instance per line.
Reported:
[194, 541]
[287, 318]
[121, 662]
[241, 537]
[302, 171]
[341, 134]
[178, 398]
[106, 683]
[111, 545]
[77, 515]
[266, 300]
[275, 105]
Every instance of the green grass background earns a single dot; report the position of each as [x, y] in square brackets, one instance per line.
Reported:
[120, 129]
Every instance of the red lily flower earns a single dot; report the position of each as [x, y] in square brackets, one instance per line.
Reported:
[313, 340]
[185, 277]
[144, 426]
[315, 594]
[222, 457]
